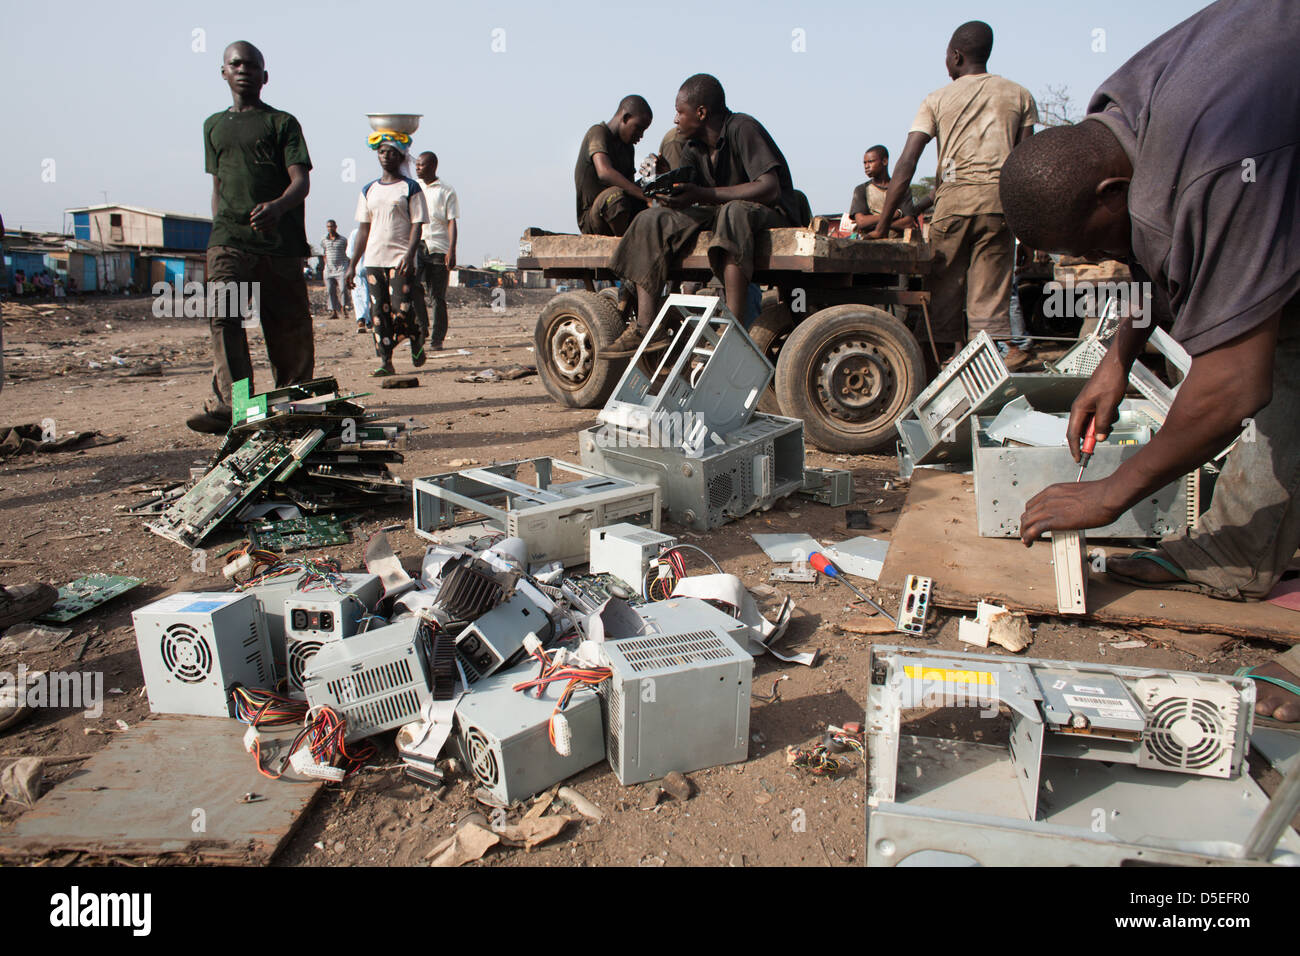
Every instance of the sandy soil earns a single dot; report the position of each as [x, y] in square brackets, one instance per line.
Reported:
[63, 514]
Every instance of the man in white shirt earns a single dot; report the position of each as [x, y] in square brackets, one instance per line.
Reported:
[438, 248]
[334, 265]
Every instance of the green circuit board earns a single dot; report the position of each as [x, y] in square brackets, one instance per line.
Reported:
[86, 594]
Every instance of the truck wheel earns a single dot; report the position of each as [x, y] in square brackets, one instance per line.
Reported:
[570, 333]
[849, 371]
[769, 332]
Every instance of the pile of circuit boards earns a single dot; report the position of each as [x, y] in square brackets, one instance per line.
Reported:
[306, 444]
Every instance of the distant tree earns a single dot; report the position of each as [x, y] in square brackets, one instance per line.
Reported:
[1055, 107]
[923, 188]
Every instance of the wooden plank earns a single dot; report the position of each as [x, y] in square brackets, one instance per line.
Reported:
[138, 797]
[798, 250]
[938, 536]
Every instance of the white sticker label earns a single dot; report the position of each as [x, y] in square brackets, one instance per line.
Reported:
[1115, 707]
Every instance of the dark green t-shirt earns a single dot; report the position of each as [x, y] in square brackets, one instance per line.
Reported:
[622, 156]
[250, 153]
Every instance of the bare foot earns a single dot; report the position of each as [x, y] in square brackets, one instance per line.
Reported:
[1141, 569]
[1273, 701]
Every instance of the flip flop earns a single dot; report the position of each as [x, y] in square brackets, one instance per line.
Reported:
[1276, 681]
[381, 372]
[1180, 585]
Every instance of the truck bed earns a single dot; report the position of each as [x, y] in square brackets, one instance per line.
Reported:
[779, 250]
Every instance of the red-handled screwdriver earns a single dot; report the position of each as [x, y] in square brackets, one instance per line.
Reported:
[1088, 447]
[823, 564]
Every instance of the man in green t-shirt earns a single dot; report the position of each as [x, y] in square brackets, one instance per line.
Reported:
[259, 164]
[604, 175]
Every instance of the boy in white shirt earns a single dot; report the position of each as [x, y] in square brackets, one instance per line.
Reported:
[392, 212]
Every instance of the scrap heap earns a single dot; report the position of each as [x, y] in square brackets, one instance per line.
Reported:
[307, 444]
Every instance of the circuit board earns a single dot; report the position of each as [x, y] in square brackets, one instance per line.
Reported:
[86, 594]
[222, 491]
[295, 534]
[587, 592]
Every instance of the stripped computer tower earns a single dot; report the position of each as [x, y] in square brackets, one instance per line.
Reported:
[750, 469]
[378, 680]
[495, 639]
[677, 701]
[195, 646]
[504, 737]
[322, 615]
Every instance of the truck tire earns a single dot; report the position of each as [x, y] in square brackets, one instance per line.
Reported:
[849, 371]
[571, 332]
[769, 332]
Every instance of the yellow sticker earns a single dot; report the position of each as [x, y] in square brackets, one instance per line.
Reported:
[985, 678]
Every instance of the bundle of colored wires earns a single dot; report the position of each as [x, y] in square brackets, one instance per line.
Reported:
[268, 566]
[671, 569]
[576, 675]
[820, 760]
[324, 735]
[262, 708]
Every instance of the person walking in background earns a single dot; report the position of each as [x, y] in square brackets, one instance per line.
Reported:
[360, 294]
[335, 267]
[392, 213]
[437, 254]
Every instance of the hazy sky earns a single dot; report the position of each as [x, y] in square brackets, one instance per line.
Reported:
[115, 94]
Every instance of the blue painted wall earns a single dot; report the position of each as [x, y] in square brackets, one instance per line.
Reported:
[184, 234]
[81, 225]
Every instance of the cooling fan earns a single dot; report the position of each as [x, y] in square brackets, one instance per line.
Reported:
[481, 757]
[186, 654]
[1193, 725]
[300, 654]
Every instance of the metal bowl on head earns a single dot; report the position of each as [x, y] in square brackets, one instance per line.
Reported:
[396, 122]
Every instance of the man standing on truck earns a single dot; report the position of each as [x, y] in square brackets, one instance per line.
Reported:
[260, 176]
[742, 186]
[978, 119]
[1192, 176]
[869, 198]
[608, 197]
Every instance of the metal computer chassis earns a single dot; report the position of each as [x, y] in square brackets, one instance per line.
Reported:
[555, 519]
[753, 468]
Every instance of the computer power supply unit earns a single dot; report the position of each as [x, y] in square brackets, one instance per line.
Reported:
[377, 680]
[195, 646]
[493, 640]
[321, 615]
[676, 701]
[626, 551]
[271, 596]
[750, 470]
[503, 734]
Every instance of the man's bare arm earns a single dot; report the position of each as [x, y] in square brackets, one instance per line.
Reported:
[901, 182]
[451, 243]
[1224, 387]
[765, 189]
[610, 176]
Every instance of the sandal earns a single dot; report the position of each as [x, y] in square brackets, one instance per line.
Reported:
[1276, 681]
[382, 372]
[1182, 584]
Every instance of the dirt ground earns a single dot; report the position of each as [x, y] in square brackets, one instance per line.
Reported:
[61, 516]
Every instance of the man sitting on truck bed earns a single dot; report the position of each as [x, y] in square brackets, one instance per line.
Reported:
[742, 186]
[869, 198]
[608, 197]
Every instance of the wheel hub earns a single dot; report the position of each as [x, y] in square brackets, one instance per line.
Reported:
[855, 381]
[571, 350]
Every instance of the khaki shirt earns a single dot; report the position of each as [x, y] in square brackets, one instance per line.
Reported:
[977, 120]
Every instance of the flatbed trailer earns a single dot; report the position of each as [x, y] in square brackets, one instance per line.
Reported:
[845, 363]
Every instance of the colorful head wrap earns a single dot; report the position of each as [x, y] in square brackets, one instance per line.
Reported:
[387, 137]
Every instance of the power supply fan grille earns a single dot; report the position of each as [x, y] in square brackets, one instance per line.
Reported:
[671, 650]
[482, 758]
[442, 666]
[1186, 733]
[300, 654]
[186, 654]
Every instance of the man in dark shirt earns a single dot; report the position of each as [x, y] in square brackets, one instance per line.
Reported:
[1191, 174]
[742, 186]
[608, 196]
[259, 164]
